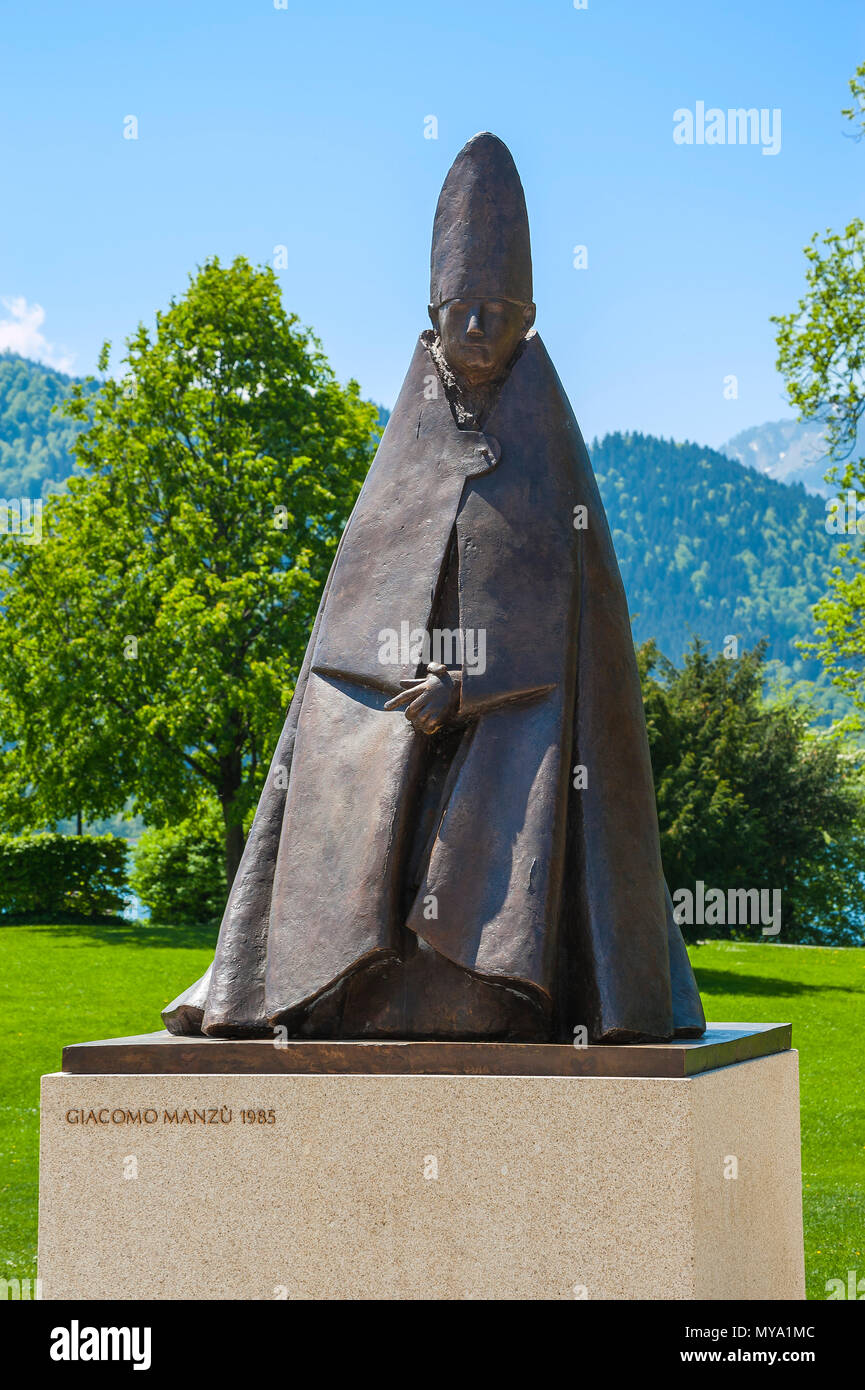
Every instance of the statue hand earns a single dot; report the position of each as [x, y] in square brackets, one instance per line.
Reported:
[430, 700]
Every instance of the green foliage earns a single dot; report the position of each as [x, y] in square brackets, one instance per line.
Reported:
[749, 797]
[821, 354]
[36, 441]
[708, 547]
[821, 345]
[856, 112]
[51, 874]
[149, 646]
[179, 870]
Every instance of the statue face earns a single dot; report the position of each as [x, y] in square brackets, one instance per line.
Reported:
[479, 338]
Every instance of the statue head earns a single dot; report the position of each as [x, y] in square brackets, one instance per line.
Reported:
[481, 262]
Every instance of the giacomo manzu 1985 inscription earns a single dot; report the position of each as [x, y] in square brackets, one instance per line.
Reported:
[212, 1115]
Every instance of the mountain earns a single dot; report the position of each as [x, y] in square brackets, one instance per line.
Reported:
[35, 441]
[790, 451]
[708, 547]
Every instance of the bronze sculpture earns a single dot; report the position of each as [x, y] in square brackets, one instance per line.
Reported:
[458, 836]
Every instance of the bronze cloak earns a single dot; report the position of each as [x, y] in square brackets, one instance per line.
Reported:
[549, 887]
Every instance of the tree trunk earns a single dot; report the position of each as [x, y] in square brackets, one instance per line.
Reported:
[230, 781]
[234, 845]
[79, 824]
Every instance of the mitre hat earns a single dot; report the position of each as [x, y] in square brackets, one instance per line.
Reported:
[480, 241]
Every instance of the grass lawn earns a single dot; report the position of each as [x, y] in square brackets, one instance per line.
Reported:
[822, 991]
[62, 984]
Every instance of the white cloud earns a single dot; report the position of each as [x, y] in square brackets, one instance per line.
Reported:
[22, 333]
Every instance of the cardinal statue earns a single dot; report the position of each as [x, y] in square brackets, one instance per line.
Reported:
[458, 839]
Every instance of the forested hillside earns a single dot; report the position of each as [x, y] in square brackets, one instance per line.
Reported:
[35, 441]
[709, 547]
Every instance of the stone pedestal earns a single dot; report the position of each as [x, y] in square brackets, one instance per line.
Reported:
[420, 1183]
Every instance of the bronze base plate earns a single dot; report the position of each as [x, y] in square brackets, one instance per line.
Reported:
[722, 1045]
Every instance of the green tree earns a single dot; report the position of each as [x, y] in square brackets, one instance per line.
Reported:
[150, 643]
[821, 354]
[856, 112]
[749, 796]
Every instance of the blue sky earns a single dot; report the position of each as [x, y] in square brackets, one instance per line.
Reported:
[304, 127]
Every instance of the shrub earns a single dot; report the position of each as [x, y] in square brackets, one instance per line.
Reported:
[47, 874]
[751, 796]
[179, 871]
